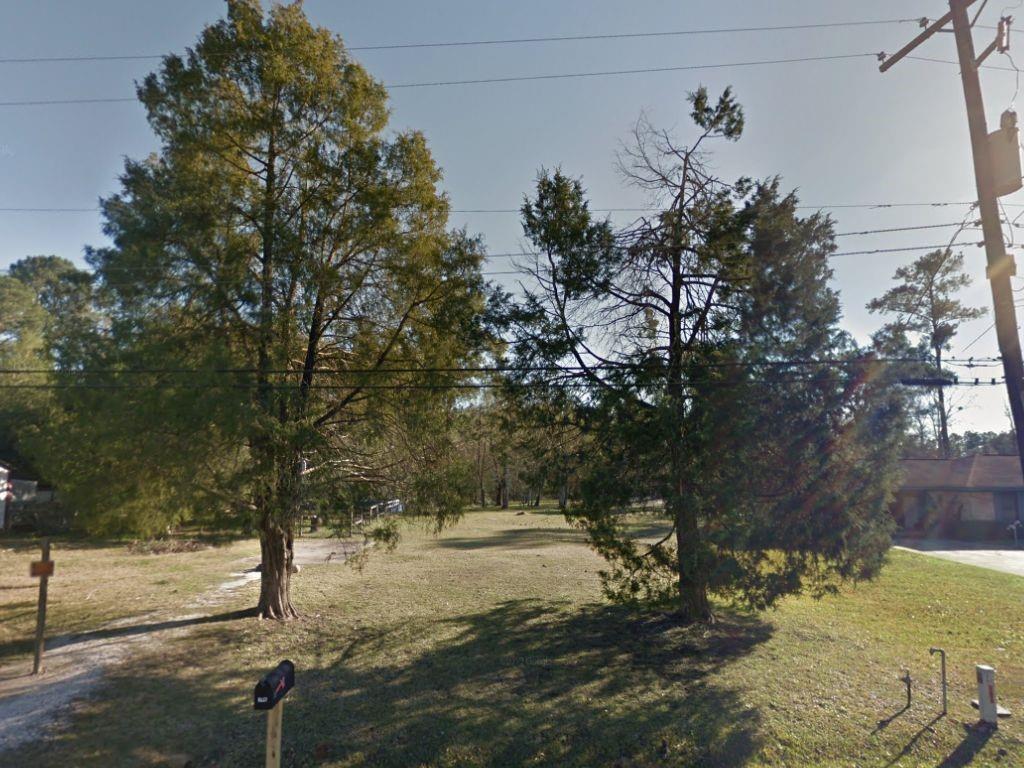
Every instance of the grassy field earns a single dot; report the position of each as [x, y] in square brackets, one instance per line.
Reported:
[490, 646]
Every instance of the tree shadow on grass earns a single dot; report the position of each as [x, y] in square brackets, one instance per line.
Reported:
[145, 629]
[532, 683]
[527, 682]
[516, 538]
[22, 543]
[24, 645]
[536, 538]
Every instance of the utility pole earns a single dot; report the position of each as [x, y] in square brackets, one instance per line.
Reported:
[1001, 265]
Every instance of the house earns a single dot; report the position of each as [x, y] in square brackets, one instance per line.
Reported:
[973, 497]
[16, 494]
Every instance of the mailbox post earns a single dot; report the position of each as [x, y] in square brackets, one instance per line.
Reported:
[269, 695]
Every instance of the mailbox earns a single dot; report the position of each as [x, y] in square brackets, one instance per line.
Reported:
[272, 688]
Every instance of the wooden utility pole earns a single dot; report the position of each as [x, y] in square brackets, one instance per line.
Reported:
[1001, 265]
[43, 569]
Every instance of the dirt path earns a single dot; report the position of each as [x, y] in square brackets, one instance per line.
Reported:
[75, 664]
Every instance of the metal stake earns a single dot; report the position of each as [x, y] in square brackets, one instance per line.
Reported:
[908, 681]
[945, 697]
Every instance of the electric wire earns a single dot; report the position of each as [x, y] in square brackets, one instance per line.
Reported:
[500, 41]
[501, 369]
[526, 272]
[495, 80]
[534, 78]
[429, 387]
[826, 206]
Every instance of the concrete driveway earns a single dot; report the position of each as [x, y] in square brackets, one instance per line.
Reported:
[986, 555]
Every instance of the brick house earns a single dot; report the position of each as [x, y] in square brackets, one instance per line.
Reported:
[973, 497]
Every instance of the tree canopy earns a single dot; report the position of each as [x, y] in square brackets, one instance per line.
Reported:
[41, 299]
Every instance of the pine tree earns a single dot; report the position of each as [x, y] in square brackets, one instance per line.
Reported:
[291, 260]
[924, 305]
[718, 394]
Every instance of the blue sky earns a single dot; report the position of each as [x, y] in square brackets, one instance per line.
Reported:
[838, 132]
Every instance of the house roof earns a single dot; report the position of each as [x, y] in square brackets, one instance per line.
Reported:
[978, 472]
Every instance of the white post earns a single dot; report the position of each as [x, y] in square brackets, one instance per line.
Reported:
[987, 694]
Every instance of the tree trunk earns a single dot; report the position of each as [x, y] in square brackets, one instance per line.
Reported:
[945, 449]
[480, 474]
[277, 551]
[504, 484]
[693, 577]
[693, 586]
[563, 495]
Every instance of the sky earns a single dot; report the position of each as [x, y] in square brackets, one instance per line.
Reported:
[838, 132]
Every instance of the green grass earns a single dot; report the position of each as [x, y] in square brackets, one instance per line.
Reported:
[490, 646]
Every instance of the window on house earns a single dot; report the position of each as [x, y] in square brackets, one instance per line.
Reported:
[1006, 507]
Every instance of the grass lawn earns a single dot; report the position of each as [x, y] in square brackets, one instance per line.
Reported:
[490, 645]
[98, 583]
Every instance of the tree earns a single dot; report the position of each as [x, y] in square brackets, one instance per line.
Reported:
[1001, 443]
[716, 390]
[924, 304]
[522, 444]
[285, 303]
[40, 297]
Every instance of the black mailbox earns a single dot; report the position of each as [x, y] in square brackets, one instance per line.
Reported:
[272, 688]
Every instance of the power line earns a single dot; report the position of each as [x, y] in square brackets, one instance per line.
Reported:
[939, 247]
[932, 60]
[494, 80]
[615, 72]
[97, 209]
[533, 78]
[899, 229]
[500, 41]
[979, 337]
[565, 385]
[470, 369]
[632, 35]
[527, 272]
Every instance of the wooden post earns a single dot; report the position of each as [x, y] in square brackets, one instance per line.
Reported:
[42, 569]
[274, 717]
